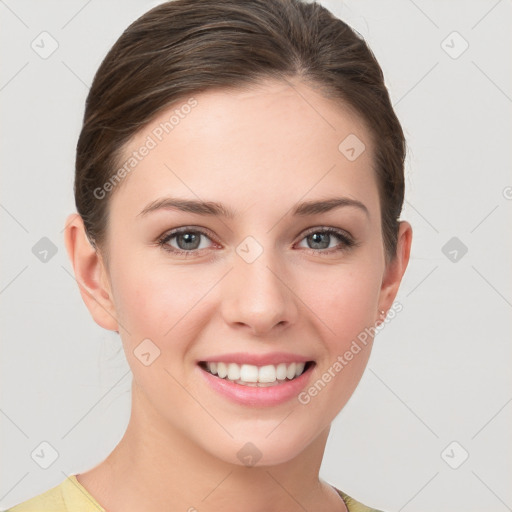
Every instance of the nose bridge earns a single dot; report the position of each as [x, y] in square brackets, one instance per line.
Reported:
[257, 295]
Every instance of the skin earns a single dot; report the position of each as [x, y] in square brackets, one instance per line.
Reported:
[258, 151]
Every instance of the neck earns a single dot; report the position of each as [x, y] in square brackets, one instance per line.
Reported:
[155, 467]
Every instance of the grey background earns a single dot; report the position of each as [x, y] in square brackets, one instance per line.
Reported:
[439, 372]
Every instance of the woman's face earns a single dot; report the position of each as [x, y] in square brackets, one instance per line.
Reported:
[266, 281]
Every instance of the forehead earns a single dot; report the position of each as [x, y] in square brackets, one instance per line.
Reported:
[268, 140]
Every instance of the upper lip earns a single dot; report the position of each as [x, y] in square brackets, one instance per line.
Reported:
[257, 359]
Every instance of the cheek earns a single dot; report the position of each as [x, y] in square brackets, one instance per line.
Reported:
[158, 302]
[344, 303]
[153, 305]
[343, 299]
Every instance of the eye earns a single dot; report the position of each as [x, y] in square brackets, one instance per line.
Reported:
[187, 241]
[320, 239]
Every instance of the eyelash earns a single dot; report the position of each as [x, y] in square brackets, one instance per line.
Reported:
[347, 242]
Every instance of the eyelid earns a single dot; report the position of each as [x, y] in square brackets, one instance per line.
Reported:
[329, 229]
[186, 229]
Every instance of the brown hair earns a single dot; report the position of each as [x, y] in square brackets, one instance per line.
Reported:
[183, 47]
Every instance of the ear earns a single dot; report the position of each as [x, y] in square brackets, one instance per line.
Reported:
[90, 273]
[395, 269]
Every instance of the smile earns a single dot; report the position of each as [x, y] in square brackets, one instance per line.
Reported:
[256, 376]
[263, 386]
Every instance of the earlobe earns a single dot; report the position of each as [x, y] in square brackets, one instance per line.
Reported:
[395, 269]
[90, 273]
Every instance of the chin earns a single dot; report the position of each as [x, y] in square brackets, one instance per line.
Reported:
[277, 445]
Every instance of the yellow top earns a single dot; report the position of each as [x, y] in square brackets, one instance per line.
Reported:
[70, 496]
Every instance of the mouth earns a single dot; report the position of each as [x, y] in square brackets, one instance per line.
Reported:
[249, 375]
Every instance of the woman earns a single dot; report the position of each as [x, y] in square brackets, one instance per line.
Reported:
[239, 179]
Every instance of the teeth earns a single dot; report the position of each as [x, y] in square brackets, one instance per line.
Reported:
[290, 371]
[248, 373]
[267, 373]
[233, 371]
[222, 370]
[281, 371]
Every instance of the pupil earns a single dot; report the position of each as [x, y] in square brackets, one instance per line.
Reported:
[317, 240]
[189, 238]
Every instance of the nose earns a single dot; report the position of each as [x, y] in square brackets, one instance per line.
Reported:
[258, 296]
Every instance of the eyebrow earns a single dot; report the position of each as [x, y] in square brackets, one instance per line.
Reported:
[218, 209]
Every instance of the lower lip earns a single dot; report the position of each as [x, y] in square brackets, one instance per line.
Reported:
[255, 396]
